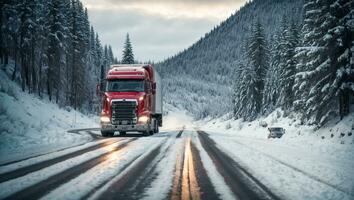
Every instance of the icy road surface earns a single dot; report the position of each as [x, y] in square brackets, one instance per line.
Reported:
[178, 164]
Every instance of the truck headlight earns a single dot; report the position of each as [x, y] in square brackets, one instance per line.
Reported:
[143, 119]
[105, 119]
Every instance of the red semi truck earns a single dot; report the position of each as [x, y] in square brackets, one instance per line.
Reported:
[131, 100]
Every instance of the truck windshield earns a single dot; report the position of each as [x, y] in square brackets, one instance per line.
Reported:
[125, 86]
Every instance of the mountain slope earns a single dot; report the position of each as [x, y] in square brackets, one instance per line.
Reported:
[207, 68]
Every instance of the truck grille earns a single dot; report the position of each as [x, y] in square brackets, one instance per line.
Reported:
[124, 112]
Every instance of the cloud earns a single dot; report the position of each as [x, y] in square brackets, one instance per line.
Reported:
[158, 28]
[218, 9]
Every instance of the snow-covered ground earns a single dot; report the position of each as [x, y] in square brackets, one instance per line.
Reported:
[175, 119]
[336, 131]
[31, 126]
[303, 160]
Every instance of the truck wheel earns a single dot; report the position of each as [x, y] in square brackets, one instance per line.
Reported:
[122, 133]
[110, 134]
[145, 133]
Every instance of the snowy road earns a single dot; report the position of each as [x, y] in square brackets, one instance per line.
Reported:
[180, 164]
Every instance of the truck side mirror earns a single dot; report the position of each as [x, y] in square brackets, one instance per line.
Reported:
[154, 88]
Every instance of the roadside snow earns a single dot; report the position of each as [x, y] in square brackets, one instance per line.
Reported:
[304, 163]
[342, 130]
[31, 126]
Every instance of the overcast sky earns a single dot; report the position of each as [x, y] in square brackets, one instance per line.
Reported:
[158, 28]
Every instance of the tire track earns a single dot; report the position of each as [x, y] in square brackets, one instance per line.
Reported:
[150, 173]
[243, 184]
[43, 187]
[207, 190]
[176, 191]
[133, 183]
[191, 180]
[43, 164]
[125, 187]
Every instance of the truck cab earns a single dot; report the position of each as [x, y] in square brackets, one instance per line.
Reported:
[131, 100]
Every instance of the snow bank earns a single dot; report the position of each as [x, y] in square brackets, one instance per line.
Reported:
[335, 132]
[29, 125]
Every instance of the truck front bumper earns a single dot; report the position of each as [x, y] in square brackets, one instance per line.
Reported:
[134, 127]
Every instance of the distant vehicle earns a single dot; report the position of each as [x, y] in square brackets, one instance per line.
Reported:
[276, 132]
[131, 100]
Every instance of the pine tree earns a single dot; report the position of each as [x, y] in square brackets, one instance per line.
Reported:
[106, 62]
[248, 90]
[64, 92]
[99, 52]
[77, 50]
[244, 94]
[41, 45]
[325, 72]
[128, 56]
[92, 38]
[110, 55]
[287, 67]
[10, 24]
[271, 88]
[257, 55]
[339, 41]
[343, 39]
[306, 55]
[27, 12]
[56, 38]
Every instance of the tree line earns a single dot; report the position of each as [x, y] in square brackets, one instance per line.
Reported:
[307, 68]
[52, 50]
